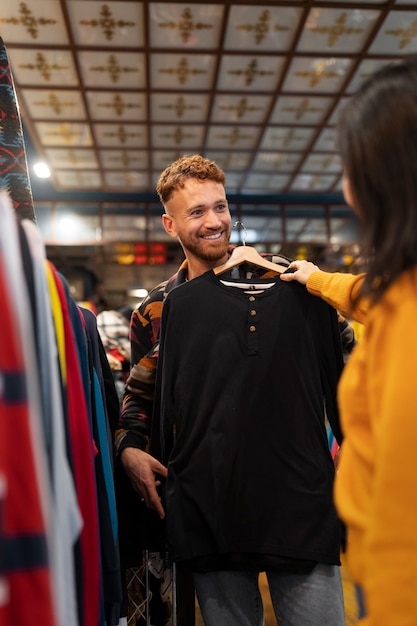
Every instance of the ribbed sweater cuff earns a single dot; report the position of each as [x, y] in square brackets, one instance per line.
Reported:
[315, 283]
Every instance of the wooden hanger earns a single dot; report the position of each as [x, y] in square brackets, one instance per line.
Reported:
[247, 254]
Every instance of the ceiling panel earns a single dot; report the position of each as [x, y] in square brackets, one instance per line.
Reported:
[111, 92]
[135, 84]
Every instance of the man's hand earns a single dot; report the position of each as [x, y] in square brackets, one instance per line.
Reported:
[142, 469]
[303, 269]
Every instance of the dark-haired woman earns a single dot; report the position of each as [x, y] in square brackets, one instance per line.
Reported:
[375, 486]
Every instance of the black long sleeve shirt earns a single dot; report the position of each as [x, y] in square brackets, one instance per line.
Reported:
[245, 380]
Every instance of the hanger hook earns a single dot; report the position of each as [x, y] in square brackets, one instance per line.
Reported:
[245, 232]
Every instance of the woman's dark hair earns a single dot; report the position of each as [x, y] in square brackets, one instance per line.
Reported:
[377, 141]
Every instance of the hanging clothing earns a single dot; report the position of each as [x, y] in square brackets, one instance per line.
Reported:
[100, 395]
[246, 377]
[81, 447]
[14, 176]
[66, 518]
[59, 563]
[25, 514]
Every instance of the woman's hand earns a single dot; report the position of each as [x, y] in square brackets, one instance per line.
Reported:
[303, 269]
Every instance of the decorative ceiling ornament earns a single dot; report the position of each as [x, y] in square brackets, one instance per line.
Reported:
[28, 20]
[336, 30]
[113, 68]
[262, 27]
[183, 72]
[185, 25]
[251, 72]
[405, 35]
[107, 23]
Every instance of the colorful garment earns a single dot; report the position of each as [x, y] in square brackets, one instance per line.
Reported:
[26, 580]
[14, 178]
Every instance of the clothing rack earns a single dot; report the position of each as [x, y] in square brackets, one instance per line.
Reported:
[59, 560]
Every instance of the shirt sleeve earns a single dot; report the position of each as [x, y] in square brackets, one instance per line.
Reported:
[134, 426]
[339, 290]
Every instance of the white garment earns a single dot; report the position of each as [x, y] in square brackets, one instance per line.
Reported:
[66, 517]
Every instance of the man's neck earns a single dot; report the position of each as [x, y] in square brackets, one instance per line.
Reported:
[196, 267]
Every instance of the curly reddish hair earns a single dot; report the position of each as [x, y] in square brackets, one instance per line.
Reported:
[195, 166]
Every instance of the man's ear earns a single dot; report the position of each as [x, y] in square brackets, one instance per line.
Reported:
[168, 224]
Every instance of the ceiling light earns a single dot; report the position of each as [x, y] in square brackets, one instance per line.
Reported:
[41, 170]
[137, 293]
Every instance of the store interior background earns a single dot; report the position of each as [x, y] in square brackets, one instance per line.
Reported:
[111, 92]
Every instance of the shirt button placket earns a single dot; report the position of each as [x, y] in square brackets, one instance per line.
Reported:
[253, 344]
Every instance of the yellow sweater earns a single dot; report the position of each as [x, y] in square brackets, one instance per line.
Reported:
[376, 482]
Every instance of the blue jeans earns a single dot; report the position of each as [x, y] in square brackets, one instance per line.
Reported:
[233, 598]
